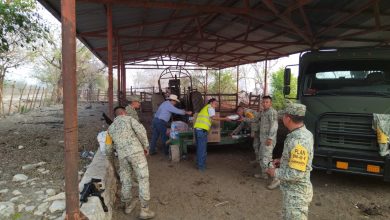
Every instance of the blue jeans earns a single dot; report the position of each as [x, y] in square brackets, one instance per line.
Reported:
[159, 128]
[201, 148]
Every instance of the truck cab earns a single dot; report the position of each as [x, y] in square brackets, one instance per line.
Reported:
[342, 89]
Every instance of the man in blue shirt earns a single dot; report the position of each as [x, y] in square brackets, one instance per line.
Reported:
[161, 119]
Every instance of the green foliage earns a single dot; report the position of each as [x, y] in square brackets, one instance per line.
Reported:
[20, 24]
[16, 216]
[277, 89]
[228, 82]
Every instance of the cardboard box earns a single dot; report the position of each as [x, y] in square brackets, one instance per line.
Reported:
[215, 130]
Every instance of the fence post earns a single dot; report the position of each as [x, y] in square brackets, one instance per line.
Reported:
[28, 96]
[2, 103]
[40, 100]
[36, 96]
[12, 95]
[32, 97]
[21, 96]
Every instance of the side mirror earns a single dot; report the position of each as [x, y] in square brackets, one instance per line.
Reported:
[287, 79]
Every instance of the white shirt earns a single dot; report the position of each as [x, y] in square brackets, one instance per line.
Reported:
[211, 111]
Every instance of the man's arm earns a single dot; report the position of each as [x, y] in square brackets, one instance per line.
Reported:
[171, 108]
[273, 129]
[140, 131]
[239, 128]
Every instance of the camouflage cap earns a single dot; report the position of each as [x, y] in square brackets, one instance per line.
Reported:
[295, 109]
[134, 98]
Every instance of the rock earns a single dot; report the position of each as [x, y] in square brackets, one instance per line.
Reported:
[19, 178]
[45, 172]
[39, 192]
[29, 208]
[16, 192]
[32, 183]
[3, 182]
[59, 196]
[31, 180]
[4, 191]
[15, 198]
[41, 197]
[21, 207]
[7, 209]
[20, 147]
[27, 201]
[33, 166]
[41, 170]
[50, 192]
[58, 205]
[41, 208]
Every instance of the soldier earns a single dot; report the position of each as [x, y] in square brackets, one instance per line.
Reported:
[268, 127]
[131, 143]
[295, 165]
[131, 109]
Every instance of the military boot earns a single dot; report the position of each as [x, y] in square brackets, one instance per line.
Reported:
[261, 176]
[274, 184]
[129, 206]
[146, 213]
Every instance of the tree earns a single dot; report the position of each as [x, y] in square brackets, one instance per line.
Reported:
[48, 64]
[227, 83]
[21, 28]
[277, 89]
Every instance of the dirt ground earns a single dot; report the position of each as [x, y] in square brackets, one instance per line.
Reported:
[226, 190]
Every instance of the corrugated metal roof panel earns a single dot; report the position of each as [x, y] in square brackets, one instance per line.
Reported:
[221, 33]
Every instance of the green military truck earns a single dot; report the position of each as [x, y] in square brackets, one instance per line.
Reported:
[342, 89]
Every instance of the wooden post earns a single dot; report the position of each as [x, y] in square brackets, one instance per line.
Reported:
[28, 96]
[219, 89]
[36, 96]
[110, 92]
[21, 95]
[265, 92]
[45, 97]
[12, 95]
[40, 100]
[238, 79]
[1, 103]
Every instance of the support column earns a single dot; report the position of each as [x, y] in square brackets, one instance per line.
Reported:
[238, 79]
[110, 92]
[123, 72]
[68, 20]
[265, 92]
[118, 65]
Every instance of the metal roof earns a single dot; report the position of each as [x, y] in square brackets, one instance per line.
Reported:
[225, 33]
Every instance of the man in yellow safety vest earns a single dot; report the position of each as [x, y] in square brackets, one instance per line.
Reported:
[202, 127]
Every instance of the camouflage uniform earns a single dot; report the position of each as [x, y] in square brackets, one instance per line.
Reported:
[130, 140]
[130, 111]
[267, 130]
[295, 167]
[254, 124]
[381, 124]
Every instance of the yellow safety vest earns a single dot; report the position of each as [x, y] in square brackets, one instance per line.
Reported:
[203, 119]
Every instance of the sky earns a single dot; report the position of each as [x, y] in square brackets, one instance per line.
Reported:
[24, 73]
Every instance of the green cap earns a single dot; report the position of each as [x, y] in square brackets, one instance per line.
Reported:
[134, 98]
[295, 109]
